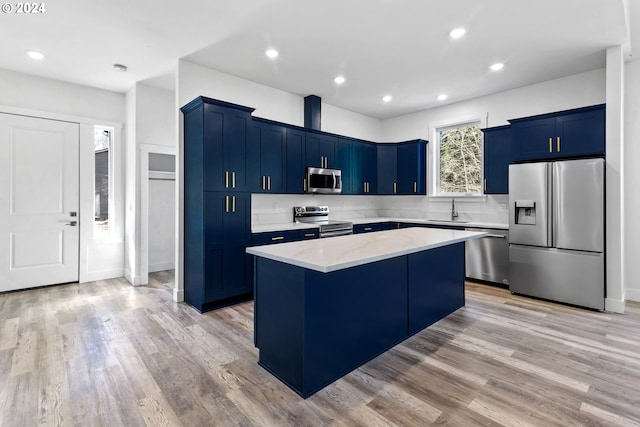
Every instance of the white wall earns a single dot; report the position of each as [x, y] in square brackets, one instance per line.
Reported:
[162, 221]
[631, 178]
[151, 127]
[100, 258]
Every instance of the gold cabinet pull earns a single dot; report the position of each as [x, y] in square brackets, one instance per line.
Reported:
[558, 144]
[368, 229]
[551, 145]
[226, 202]
[304, 184]
[274, 239]
[395, 187]
[263, 182]
[364, 187]
[226, 179]
[415, 186]
[233, 179]
[269, 182]
[309, 235]
[485, 185]
[233, 204]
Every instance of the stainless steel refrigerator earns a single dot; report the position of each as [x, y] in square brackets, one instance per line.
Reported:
[556, 231]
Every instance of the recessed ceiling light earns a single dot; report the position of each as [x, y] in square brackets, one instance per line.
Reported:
[387, 98]
[272, 53]
[496, 67]
[35, 55]
[120, 67]
[339, 80]
[457, 33]
[442, 97]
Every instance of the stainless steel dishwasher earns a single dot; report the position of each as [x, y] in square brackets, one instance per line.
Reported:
[487, 258]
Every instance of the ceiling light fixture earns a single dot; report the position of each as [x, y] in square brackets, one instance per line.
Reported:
[272, 53]
[35, 55]
[387, 98]
[442, 97]
[496, 67]
[339, 80]
[457, 33]
[120, 67]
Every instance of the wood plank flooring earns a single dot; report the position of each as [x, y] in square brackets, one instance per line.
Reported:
[109, 354]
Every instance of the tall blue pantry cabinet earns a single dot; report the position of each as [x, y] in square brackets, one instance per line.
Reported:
[217, 203]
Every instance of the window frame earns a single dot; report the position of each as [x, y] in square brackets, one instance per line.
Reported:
[111, 169]
[435, 156]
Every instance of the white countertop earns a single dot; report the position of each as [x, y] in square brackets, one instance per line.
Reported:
[336, 253]
[297, 226]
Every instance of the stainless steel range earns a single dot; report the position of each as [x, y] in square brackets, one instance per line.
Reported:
[319, 215]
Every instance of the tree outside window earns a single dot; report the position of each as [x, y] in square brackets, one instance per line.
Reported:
[460, 159]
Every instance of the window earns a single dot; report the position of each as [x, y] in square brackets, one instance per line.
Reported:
[103, 138]
[459, 159]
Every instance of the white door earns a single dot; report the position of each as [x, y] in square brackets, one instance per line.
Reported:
[39, 199]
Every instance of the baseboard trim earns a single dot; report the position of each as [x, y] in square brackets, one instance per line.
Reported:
[614, 305]
[134, 280]
[102, 275]
[632, 295]
[162, 266]
[178, 295]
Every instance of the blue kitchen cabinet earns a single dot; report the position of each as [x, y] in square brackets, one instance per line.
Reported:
[268, 173]
[402, 168]
[565, 134]
[225, 146]
[344, 154]
[217, 203]
[373, 227]
[274, 237]
[364, 168]
[387, 168]
[497, 157]
[411, 169]
[320, 150]
[295, 161]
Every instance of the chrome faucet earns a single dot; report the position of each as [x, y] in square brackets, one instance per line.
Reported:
[454, 213]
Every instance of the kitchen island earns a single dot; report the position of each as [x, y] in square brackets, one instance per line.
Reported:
[324, 307]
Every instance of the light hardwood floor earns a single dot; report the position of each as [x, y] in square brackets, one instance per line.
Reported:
[106, 353]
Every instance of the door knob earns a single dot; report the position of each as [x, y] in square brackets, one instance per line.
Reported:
[72, 223]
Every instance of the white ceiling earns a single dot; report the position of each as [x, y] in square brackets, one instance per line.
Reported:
[396, 47]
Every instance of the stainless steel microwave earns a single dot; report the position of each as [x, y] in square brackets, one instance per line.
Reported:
[325, 181]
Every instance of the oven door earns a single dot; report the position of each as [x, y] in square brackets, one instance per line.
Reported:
[321, 180]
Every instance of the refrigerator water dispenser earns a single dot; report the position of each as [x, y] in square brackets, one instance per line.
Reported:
[525, 212]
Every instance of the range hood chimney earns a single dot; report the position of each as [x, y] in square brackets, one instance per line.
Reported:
[312, 112]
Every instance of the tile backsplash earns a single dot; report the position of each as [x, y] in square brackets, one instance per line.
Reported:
[277, 208]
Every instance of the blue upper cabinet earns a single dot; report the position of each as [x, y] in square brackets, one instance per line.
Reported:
[497, 157]
[269, 139]
[364, 168]
[387, 168]
[565, 134]
[295, 162]
[226, 145]
[320, 150]
[344, 154]
[412, 163]
[402, 168]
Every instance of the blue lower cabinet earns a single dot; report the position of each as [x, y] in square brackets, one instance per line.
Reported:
[312, 328]
[274, 237]
[376, 226]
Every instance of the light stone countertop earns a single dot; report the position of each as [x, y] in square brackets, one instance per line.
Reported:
[267, 228]
[336, 253]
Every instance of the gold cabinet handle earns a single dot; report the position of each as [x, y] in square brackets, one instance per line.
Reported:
[368, 229]
[304, 184]
[226, 179]
[558, 144]
[233, 179]
[226, 202]
[364, 187]
[485, 185]
[395, 187]
[309, 235]
[269, 182]
[551, 145]
[273, 239]
[263, 180]
[233, 204]
[415, 186]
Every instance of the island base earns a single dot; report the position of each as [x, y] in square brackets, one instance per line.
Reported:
[312, 328]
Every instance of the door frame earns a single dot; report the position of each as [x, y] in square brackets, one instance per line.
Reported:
[145, 150]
